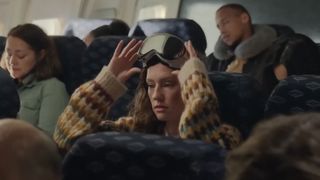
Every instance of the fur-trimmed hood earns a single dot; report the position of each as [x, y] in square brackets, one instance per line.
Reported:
[262, 38]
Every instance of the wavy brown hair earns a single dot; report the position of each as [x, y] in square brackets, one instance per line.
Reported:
[47, 67]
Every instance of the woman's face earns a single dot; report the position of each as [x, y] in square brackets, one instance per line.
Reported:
[164, 93]
[20, 58]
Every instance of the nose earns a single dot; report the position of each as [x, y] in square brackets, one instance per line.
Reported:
[13, 60]
[222, 30]
[157, 94]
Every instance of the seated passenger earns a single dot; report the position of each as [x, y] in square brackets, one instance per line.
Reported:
[174, 97]
[116, 28]
[286, 148]
[31, 60]
[27, 153]
[246, 48]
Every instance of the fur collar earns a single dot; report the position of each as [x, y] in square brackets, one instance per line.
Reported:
[262, 38]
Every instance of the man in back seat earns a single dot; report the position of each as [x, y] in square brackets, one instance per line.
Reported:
[252, 49]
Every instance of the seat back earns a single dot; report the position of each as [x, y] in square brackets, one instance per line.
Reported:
[2, 44]
[282, 29]
[70, 50]
[299, 54]
[241, 99]
[294, 95]
[99, 54]
[186, 29]
[128, 156]
[9, 97]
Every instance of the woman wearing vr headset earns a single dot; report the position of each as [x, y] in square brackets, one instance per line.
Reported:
[174, 97]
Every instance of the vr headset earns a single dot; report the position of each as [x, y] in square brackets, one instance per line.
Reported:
[166, 47]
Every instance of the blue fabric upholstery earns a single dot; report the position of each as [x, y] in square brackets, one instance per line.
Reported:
[282, 29]
[241, 99]
[129, 156]
[2, 44]
[96, 56]
[9, 97]
[70, 50]
[294, 95]
[186, 29]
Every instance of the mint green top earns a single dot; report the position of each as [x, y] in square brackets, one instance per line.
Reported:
[42, 102]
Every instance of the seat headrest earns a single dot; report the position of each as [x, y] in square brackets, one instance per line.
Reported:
[293, 95]
[186, 29]
[241, 99]
[2, 44]
[9, 97]
[99, 53]
[114, 155]
[282, 29]
[70, 50]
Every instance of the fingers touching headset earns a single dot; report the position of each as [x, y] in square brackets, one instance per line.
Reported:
[190, 49]
[123, 59]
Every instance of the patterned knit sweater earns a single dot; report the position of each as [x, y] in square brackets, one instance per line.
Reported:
[91, 101]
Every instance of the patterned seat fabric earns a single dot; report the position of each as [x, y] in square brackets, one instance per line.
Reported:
[294, 95]
[9, 97]
[129, 156]
[241, 99]
[70, 51]
[186, 29]
[95, 57]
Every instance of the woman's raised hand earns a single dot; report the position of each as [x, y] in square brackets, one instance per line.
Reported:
[123, 58]
[190, 49]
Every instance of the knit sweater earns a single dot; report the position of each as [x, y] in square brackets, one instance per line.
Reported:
[91, 101]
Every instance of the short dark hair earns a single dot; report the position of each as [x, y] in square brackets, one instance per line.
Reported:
[103, 30]
[38, 40]
[286, 148]
[238, 7]
[116, 28]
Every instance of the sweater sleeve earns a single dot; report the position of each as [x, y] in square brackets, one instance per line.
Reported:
[87, 107]
[200, 119]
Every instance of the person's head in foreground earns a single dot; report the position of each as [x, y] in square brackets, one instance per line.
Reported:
[27, 153]
[283, 148]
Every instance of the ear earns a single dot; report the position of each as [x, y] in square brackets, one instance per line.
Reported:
[42, 54]
[244, 18]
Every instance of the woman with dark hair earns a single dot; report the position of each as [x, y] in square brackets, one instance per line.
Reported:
[174, 97]
[31, 60]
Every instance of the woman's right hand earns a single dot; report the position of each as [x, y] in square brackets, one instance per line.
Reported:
[123, 59]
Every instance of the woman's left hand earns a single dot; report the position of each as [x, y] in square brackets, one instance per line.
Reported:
[191, 52]
[190, 49]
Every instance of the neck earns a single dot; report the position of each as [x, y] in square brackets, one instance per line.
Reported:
[171, 129]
